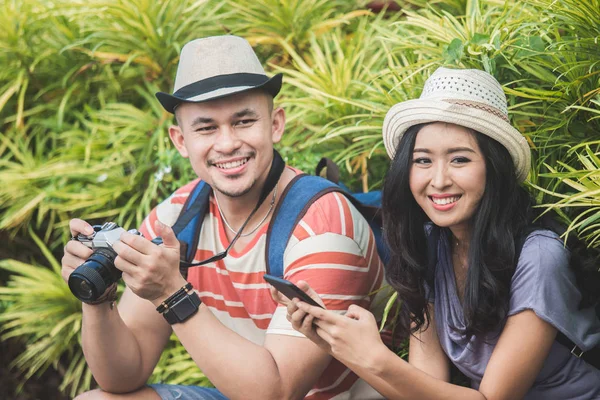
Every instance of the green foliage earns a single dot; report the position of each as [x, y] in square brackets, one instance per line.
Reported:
[332, 99]
[274, 24]
[581, 198]
[41, 310]
[81, 77]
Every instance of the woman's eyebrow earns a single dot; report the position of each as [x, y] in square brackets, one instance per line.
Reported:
[449, 151]
[458, 149]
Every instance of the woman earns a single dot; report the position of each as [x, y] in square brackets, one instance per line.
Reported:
[499, 284]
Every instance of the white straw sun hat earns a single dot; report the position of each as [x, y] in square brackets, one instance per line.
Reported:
[215, 67]
[466, 97]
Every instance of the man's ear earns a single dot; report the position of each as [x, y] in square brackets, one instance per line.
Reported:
[278, 121]
[176, 135]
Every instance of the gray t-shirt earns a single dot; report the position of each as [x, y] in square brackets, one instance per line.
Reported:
[542, 282]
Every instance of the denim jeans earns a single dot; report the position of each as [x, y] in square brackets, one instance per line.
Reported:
[182, 392]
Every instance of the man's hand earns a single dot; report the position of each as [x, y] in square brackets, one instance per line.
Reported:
[150, 271]
[75, 252]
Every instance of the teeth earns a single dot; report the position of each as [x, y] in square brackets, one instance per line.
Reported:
[234, 164]
[445, 200]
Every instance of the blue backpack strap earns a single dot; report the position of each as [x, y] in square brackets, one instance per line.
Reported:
[188, 224]
[298, 196]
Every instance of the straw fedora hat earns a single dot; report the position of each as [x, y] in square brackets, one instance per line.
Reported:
[466, 97]
[215, 67]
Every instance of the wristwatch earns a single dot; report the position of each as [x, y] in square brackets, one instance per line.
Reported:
[183, 308]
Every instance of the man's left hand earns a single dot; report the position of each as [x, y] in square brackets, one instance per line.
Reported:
[150, 271]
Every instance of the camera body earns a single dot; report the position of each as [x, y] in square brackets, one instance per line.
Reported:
[89, 281]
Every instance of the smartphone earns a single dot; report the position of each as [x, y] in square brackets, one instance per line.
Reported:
[289, 290]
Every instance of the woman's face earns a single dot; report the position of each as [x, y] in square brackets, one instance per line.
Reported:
[447, 176]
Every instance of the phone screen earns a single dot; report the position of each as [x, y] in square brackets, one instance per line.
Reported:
[289, 290]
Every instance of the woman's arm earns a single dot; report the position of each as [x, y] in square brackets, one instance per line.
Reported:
[426, 353]
[354, 340]
[518, 357]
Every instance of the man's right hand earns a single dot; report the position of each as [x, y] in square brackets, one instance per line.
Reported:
[75, 252]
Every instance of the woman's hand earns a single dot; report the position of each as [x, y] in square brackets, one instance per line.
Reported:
[352, 338]
[301, 321]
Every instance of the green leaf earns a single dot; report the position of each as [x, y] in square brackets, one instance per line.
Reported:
[480, 38]
[453, 53]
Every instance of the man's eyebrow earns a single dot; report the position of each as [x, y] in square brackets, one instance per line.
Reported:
[202, 120]
[246, 112]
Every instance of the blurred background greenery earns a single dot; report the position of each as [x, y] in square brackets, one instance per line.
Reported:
[83, 136]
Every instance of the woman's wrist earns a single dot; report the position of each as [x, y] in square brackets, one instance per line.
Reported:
[378, 359]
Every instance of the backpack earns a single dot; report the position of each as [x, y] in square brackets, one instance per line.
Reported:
[296, 199]
[591, 356]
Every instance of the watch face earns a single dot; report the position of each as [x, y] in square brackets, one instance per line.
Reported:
[184, 308]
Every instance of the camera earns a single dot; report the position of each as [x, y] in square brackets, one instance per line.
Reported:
[90, 280]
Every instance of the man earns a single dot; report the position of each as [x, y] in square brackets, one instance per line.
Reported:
[241, 340]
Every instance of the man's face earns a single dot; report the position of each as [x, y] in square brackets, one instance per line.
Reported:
[229, 141]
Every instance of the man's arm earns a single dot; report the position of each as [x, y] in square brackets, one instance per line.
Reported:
[286, 367]
[121, 345]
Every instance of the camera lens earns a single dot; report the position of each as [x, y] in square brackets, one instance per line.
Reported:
[90, 280]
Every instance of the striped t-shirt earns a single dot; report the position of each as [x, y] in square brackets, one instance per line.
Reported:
[332, 248]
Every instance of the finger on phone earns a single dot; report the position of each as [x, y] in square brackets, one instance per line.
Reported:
[278, 297]
[310, 292]
[297, 317]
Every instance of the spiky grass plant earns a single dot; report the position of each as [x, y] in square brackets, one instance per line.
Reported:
[272, 24]
[41, 311]
[576, 192]
[105, 174]
[77, 108]
[333, 99]
[567, 60]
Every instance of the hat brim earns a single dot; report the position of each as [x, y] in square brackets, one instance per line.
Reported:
[219, 87]
[413, 112]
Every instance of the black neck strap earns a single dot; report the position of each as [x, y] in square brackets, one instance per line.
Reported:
[275, 172]
[277, 167]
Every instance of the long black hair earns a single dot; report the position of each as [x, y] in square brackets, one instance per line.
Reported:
[503, 218]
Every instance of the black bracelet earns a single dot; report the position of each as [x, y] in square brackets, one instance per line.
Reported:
[183, 309]
[172, 299]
